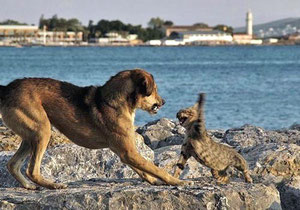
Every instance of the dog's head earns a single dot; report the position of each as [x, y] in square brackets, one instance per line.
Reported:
[187, 116]
[145, 95]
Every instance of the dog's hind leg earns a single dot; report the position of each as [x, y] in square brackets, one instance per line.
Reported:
[15, 163]
[39, 145]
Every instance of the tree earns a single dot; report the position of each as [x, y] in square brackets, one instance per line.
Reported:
[155, 23]
[53, 23]
[61, 24]
[105, 26]
[201, 25]
[168, 23]
[225, 28]
[12, 22]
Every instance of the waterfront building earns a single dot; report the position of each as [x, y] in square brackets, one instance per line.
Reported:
[178, 29]
[203, 37]
[32, 35]
[249, 23]
[154, 42]
[115, 38]
[58, 37]
[247, 37]
[17, 33]
[271, 40]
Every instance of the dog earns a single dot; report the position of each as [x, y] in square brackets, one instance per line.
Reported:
[93, 117]
[218, 157]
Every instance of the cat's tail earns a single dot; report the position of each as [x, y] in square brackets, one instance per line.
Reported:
[201, 118]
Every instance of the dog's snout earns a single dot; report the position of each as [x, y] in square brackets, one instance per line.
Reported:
[163, 102]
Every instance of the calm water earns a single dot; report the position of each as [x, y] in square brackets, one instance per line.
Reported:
[255, 85]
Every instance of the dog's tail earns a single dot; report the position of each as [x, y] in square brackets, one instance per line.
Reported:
[200, 126]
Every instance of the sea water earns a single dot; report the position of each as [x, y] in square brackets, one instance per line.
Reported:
[257, 85]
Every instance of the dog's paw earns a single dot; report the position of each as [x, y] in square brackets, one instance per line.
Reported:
[57, 186]
[186, 183]
[30, 187]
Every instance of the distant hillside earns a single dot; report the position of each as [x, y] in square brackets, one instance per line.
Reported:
[275, 28]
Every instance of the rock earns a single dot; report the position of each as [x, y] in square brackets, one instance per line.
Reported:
[68, 162]
[132, 194]
[295, 127]
[167, 157]
[279, 160]
[165, 132]
[290, 193]
[98, 180]
[249, 136]
[162, 133]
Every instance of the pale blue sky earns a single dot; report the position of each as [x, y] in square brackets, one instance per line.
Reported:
[181, 12]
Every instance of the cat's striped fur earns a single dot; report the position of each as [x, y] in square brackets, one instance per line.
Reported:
[198, 144]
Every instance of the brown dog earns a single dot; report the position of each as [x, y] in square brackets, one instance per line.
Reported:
[92, 117]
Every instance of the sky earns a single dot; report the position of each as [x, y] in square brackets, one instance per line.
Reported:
[181, 12]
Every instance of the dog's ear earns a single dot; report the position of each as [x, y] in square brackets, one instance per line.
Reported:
[146, 84]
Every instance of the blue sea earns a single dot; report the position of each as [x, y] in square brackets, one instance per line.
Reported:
[257, 85]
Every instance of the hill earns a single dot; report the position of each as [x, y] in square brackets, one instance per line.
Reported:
[275, 28]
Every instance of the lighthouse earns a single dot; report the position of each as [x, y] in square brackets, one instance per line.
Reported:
[249, 23]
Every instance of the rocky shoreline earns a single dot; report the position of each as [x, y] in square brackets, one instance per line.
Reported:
[98, 180]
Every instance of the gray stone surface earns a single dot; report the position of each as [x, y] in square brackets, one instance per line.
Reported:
[290, 193]
[162, 133]
[132, 194]
[165, 132]
[98, 180]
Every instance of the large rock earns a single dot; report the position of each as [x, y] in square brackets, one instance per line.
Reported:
[132, 194]
[290, 193]
[165, 132]
[161, 133]
[98, 180]
[70, 162]
[249, 136]
[278, 160]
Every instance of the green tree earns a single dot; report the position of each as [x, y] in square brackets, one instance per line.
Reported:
[201, 25]
[225, 28]
[168, 23]
[61, 24]
[155, 23]
[12, 22]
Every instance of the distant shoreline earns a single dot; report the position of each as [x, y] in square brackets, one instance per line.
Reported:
[141, 45]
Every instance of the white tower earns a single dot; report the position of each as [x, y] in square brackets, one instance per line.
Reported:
[249, 23]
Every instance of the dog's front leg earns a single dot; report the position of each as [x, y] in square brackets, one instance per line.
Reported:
[125, 148]
[145, 176]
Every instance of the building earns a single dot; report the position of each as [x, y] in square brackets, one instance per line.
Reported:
[271, 41]
[58, 37]
[114, 38]
[178, 29]
[247, 37]
[205, 37]
[249, 23]
[18, 33]
[32, 35]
